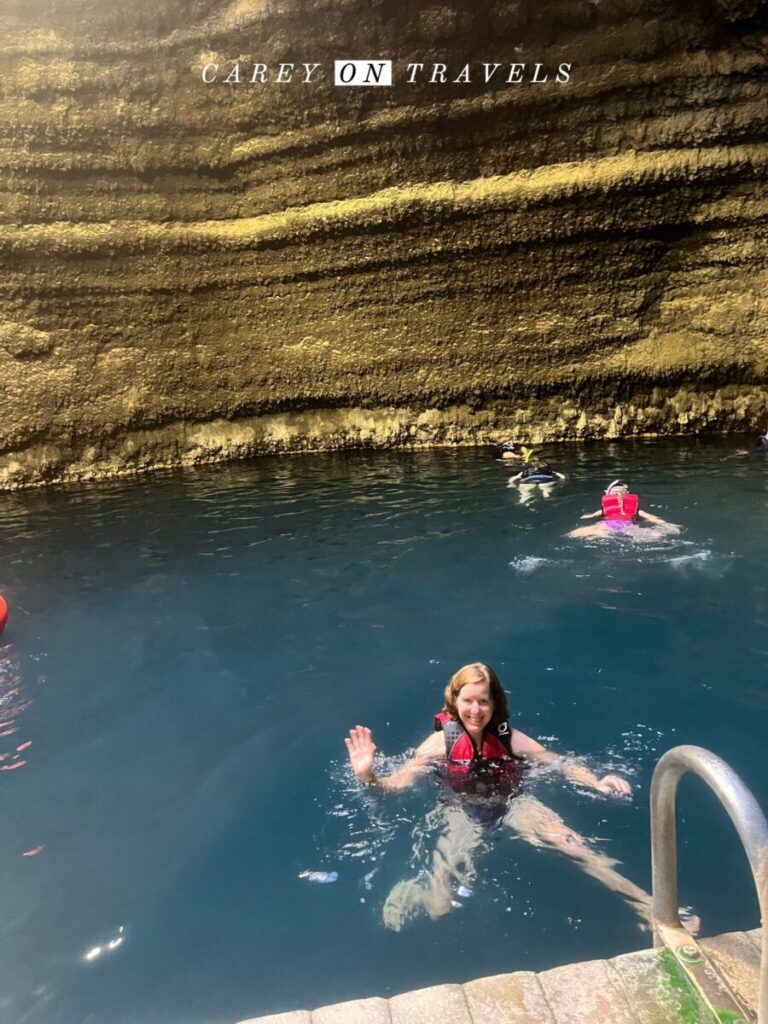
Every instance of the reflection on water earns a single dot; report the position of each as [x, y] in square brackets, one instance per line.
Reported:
[186, 652]
[14, 700]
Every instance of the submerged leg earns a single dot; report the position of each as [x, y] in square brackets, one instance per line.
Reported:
[596, 530]
[452, 866]
[540, 826]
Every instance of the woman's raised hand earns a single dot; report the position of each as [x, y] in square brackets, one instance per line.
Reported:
[361, 749]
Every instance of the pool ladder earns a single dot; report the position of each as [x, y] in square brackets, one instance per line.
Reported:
[750, 823]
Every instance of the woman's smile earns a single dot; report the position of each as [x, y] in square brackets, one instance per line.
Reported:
[475, 706]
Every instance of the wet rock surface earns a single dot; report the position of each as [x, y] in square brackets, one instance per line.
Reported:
[200, 271]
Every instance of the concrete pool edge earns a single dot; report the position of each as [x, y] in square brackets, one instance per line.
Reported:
[632, 988]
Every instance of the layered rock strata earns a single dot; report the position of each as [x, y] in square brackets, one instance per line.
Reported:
[195, 271]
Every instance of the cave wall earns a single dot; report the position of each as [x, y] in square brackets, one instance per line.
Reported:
[195, 271]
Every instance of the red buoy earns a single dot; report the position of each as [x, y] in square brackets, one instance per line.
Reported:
[3, 614]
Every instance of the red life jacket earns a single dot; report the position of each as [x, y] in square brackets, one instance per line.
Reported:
[620, 506]
[469, 770]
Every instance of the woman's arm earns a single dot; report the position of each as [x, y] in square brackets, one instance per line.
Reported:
[361, 750]
[592, 515]
[578, 774]
[650, 518]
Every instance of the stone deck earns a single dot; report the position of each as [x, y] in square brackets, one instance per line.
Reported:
[636, 988]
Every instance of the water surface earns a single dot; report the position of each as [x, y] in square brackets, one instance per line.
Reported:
[186, 652]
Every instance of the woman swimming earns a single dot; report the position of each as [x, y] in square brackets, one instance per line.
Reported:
[511, 451]
[537, 474]
[480, 761]
[760, 447]
[621, 513]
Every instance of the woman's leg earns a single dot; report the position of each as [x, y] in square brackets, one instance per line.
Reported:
[596, 530]
[540, 826]
[452, 866]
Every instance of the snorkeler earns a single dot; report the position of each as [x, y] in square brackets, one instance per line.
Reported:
[535, 477]
[760, 447]
[536, 472]
[480, 761]
[621, 513]
[512, 452]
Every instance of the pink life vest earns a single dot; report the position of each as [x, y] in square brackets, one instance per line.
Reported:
[468, 770]
[620, 506]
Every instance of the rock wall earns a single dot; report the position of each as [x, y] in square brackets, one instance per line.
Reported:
[194, 271]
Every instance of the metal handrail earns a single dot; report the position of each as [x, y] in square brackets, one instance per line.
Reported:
[744, 812]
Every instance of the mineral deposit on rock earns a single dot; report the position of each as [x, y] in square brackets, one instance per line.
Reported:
[195, 268]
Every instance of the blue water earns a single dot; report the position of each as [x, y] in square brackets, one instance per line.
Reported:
[186, 652]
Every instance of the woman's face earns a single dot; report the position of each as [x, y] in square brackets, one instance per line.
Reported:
[475, 706]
